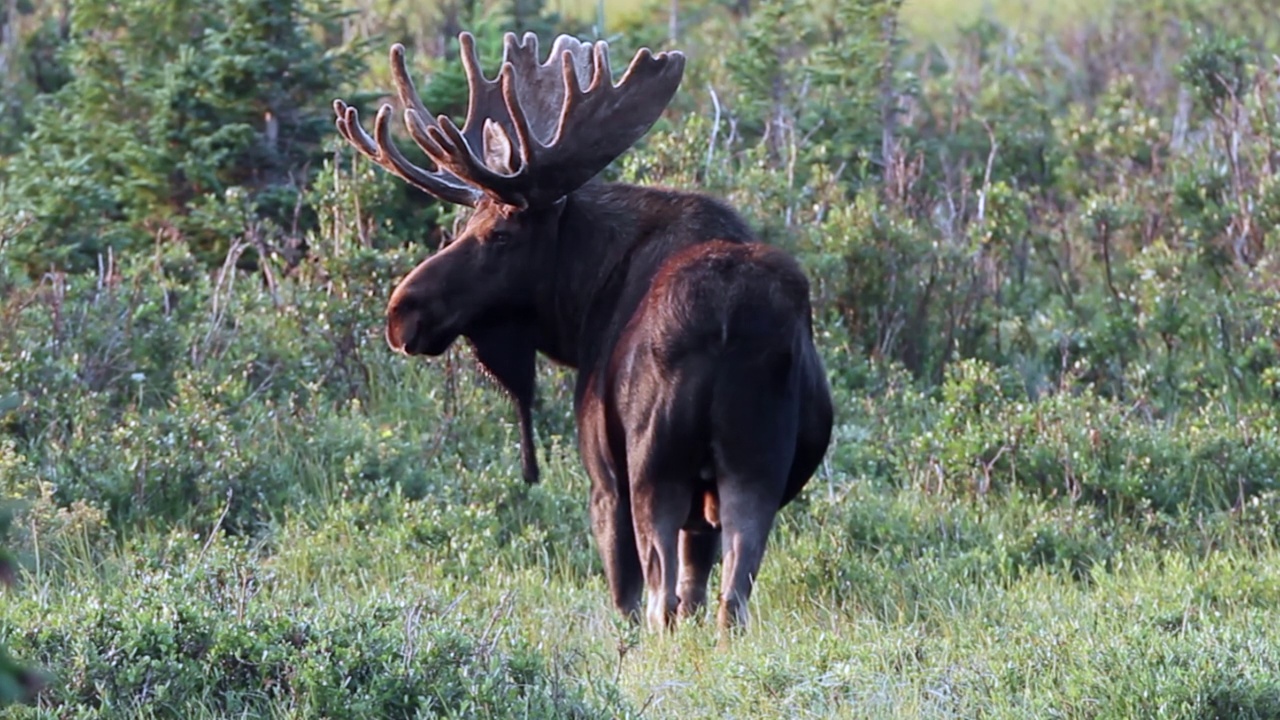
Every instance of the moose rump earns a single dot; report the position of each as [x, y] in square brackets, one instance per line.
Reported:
[716, 411]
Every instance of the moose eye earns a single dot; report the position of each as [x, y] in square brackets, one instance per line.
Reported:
[499, 237]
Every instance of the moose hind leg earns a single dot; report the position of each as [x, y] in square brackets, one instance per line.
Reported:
[612, 525]
[659, 509]
[754, 444]
[661, 497]
[746, 516]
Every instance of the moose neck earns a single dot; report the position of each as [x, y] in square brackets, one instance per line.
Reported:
[612, 238]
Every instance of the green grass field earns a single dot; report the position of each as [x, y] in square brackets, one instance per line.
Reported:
[841, 629]
[1165, 635]
[876, 600]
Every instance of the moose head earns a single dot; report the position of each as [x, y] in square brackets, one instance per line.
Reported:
[532, 136]
[701, 402]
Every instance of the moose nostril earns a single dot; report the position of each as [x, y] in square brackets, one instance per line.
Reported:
[400, 328]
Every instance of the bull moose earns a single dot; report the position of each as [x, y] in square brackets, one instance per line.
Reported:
[701, 402]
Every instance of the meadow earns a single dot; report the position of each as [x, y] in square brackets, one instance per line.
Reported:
[1043, 249]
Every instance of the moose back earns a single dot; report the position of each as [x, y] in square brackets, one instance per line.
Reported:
[702, 404]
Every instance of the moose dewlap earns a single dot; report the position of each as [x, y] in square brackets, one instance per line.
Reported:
[702, 404]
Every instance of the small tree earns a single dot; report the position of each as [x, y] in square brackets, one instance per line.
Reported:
[168, 106]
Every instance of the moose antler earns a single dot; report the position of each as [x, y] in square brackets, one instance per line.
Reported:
[383, 151]
[568, 121]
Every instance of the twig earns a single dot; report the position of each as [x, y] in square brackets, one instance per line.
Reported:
[793, 157]
[225, 276]
[264, 261]
[216, 527]
[986, 176]
[453, 605]
[715, 128]
[486, 644]
[1266, 118]
[986, 470]
[412, 624]
[649, 701]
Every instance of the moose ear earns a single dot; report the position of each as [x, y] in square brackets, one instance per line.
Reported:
[499, 153]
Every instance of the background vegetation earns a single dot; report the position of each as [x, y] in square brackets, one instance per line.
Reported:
[1043, 246]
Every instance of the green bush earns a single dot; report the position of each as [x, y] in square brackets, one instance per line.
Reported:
[164, 107]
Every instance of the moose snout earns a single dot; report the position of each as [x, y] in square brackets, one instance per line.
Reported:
[418, 327]
[402, 327]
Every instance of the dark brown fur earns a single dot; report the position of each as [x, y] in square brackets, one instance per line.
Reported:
[702, 404]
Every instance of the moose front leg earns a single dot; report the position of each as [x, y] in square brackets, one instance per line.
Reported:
[528, 449]
[699, 550]
[507, 353]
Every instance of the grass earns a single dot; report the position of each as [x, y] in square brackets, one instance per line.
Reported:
[483, 596]
[1163, 632]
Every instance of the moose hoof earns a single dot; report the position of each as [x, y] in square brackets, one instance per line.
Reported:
[691, 605]
[662, 613]
[732, 615]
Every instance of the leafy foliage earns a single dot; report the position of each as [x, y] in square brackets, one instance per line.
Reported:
[167, 107]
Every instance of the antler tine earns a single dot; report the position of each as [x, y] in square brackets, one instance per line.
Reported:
[572, 90]
[579, 51]
[646, 61]
[525, 142]
[520, 50]
[419, 120]
[603, 73]
[351, 131]
[381, 150]
[405, 88]
[484, 100]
